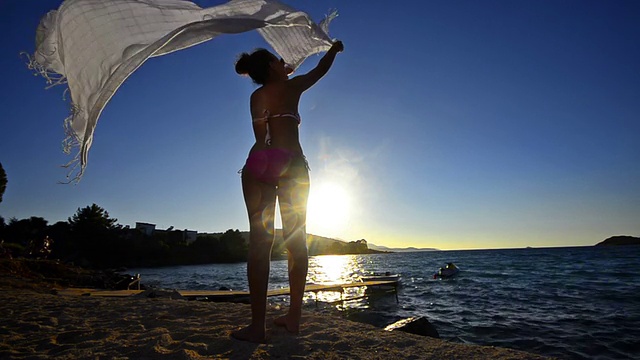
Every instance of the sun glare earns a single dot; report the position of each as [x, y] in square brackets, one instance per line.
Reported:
[334, 269]
[328, 208]
[329, 269]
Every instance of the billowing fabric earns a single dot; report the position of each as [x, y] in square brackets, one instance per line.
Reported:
[94, 45]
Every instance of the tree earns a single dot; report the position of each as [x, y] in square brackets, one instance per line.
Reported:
[96, 236]
[3, 181]
[205, 249]
[93, 217]
[62, 247]
[25, 230]
[233, 246]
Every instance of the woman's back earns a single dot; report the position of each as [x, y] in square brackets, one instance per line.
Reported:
[274, 109]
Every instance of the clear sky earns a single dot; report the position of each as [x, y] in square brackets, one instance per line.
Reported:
[446, 124]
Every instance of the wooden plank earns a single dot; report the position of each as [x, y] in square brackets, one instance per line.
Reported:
[222, 293]
[286, 291]
[97, 292]
[202, 293]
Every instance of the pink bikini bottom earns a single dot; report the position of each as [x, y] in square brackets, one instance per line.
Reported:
[271, 165]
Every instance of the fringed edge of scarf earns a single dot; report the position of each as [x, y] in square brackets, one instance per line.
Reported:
[71, 139]
[53, 78]
[324, 24]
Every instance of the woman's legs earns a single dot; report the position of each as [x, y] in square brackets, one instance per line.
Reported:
[260, 200]
[293, 193]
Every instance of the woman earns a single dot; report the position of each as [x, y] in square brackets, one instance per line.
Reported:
[276, 168]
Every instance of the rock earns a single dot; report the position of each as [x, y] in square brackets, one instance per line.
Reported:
[415, 325]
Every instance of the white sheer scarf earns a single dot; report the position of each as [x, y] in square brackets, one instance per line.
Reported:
[94, 45]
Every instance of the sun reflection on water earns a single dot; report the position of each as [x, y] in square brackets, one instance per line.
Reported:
[334, 269]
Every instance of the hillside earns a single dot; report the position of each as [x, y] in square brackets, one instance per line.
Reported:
[407, 249]
[320, 245]
[620, 240]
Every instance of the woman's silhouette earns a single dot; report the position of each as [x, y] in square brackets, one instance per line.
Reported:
[276, 169]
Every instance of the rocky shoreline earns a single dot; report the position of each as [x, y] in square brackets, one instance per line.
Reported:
[44, 275]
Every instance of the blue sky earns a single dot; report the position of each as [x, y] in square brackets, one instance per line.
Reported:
[447, 124]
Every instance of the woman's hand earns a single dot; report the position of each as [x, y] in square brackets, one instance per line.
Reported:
[337, 46]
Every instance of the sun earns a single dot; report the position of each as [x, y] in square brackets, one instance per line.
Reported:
[328, 208]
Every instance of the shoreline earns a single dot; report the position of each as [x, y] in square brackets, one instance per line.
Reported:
[37, 324]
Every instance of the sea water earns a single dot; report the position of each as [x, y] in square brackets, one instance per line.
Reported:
[571, 303]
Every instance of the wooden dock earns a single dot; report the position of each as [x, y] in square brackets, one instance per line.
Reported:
[97, 292]
[233, 295]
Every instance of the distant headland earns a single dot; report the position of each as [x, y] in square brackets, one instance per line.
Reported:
[620, 240]
[406, 249]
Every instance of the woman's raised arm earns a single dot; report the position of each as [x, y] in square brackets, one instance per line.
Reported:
[304, 82]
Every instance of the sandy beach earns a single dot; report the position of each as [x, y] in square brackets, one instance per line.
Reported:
[37, 323]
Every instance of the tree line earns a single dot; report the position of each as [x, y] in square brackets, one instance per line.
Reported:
[91, 238]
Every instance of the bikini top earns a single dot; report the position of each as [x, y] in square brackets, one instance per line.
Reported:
[267, 116]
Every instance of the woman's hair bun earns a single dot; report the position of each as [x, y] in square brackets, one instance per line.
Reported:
[242, 65]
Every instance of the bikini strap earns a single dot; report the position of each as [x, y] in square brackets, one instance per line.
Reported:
[267, 138]
[264, 118]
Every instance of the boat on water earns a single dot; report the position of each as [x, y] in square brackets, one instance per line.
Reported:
[448, 271]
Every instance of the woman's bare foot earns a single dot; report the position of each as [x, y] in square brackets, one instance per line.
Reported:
[290, 322]
[251, 334]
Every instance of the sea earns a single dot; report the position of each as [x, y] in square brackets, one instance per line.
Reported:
[565, 302]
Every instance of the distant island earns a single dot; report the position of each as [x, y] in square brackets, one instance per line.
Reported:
[407, 249]
[620, 240]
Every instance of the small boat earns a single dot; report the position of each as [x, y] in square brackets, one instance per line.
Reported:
[381, 277]
[450, 270]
